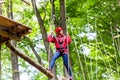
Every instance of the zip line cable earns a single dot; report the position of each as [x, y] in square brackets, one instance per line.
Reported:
[67, 34]
[51, 29]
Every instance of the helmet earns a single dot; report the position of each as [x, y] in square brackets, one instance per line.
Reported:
[58, 29]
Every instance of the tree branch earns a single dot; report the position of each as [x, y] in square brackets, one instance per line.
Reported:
[26, 2]
[29, 60]
[34, 51]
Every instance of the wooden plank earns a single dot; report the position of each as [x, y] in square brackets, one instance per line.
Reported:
[7, 22]
[22, 28]
[5, 31]
[10, 36]
[12, 30]
[14, 26]
[10, 23]
[3, 39]
[3, 42]
[29, 60]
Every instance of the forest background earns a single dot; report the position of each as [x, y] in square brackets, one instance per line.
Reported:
[92, 25]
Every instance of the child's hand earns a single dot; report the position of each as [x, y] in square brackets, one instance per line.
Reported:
[67, 33]
[51, 33]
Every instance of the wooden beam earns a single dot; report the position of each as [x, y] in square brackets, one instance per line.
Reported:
[4, 21]
[10, 36]
[3, 39]
[12, 30]
[29, 60]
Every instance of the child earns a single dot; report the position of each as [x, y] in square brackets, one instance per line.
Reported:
[61, 41]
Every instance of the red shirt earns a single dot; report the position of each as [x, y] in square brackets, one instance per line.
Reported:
[65, 40]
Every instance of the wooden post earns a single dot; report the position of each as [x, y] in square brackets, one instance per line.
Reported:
[0, 47]
[29, 60]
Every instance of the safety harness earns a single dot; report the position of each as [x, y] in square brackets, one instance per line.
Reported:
[61, 49]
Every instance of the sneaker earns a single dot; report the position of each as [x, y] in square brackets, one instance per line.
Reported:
[70, 78]
[48, 69]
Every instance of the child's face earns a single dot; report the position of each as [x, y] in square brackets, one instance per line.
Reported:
[61, 32]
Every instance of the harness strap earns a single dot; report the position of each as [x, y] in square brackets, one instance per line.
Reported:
[61, 49]
[60, 42]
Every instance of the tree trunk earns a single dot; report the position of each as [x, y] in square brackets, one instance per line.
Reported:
[44, 34]
[63, 15]
[36, 54]
[14, 58]
[0, 8]
[53, 19]
[0, 47]
[63, 24]
[34, 51]
[0, 64]
[14, 62]
[53, 16]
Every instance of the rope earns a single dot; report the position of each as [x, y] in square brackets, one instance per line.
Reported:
[96, 44]
[89, 43]
[85, 58]
[68, 51]
[88, 24]
[67, 43]
[51, 29]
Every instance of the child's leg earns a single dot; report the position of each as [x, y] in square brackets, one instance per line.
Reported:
[65, 60]
[56, 55]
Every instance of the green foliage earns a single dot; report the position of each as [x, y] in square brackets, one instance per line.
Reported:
[100, 62]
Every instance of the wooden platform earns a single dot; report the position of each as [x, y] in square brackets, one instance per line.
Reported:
[11, 30]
